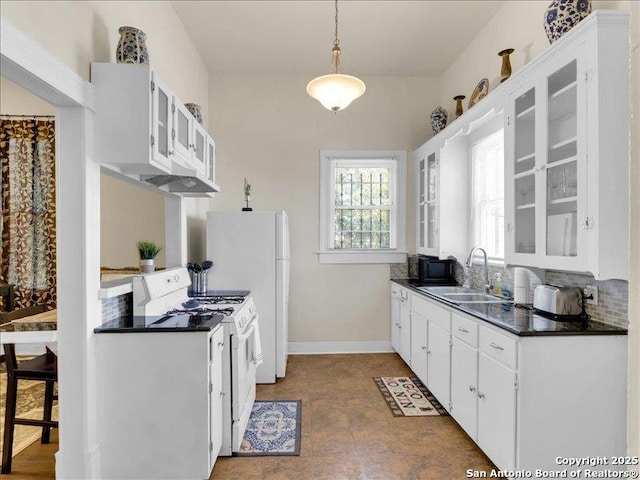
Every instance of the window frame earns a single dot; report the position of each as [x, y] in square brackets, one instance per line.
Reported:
[397, 159]
[481, 134]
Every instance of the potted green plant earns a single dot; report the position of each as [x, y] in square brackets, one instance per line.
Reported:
[148, 251]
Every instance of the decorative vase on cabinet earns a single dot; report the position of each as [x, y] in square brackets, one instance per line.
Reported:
[132, 47]
[562, 15]
[438, 119]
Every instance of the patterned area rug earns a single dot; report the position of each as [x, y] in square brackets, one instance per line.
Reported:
[29, 405]
[408, 397]
[274, 429]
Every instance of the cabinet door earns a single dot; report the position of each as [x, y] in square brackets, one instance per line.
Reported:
[464, 385]
[419, 346]
[395, 318]
[211, 160]
[497, 412]
[522, 160]
[215, 389]
[182, 136]
[427, 187]
[405, 329]
[563, 179]
[439, 363]
[161, 123]
[198, 158]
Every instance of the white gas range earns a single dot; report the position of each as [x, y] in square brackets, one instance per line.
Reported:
[177, 381]
[243, 355]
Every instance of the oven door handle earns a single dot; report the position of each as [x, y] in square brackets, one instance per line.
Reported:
[237, 339]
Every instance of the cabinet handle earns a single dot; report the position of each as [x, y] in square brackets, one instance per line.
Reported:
[171, 152]
[428, 352]
[495, 345]
[472, 389]
[463, 330]
[424, 347]
[480, 395]
[221, 346]
[222, 394]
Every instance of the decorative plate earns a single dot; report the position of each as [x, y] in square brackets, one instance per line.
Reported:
[479, 93]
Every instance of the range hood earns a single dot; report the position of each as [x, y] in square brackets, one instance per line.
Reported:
[179, 183]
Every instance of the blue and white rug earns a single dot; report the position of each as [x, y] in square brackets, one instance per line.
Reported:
[274, 429]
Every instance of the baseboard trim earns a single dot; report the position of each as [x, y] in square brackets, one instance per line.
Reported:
[311, 348]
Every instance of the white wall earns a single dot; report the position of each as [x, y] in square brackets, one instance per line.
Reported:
[269, 130]
[79, 32]
[519, 25]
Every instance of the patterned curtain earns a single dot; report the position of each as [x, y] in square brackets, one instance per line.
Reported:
[28, 226]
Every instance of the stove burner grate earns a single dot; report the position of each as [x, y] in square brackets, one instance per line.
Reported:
[229, 299]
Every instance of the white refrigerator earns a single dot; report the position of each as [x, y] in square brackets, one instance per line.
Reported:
[250, 251]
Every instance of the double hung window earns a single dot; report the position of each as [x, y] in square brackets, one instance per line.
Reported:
[362, 207]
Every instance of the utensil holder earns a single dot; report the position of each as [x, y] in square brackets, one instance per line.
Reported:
[199, 282]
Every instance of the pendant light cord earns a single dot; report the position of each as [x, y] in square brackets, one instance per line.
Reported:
[336, 42]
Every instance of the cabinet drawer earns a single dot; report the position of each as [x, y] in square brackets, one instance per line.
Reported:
[431, 312]
[465, 329]
[498, 346]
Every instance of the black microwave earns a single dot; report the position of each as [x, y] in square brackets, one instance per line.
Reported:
[434, 270]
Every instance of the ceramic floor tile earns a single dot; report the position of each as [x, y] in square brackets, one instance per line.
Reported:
[388, 467]
[337, 468]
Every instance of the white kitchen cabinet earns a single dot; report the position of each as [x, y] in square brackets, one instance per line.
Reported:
[442, 205]
[566, 154]
[395, 316]
[401, 321]
[496, 422]
[143, 129]
[216, 392]
[439, 363]
[419, 331]
[163, 418]
[464, 386]
[427, 187]
[211, 160]
[524, 399]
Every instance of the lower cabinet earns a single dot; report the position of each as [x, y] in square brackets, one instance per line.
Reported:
[160, 414]
[524, 400]
[401, 322]
[419, 345]
[439, 364]
[497, 412]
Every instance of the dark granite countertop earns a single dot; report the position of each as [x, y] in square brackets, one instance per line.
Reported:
[520, 321]
[155, 324]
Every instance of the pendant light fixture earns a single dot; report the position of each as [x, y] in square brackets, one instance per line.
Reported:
[336, 91]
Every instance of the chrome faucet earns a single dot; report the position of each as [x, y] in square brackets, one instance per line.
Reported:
[487, 285]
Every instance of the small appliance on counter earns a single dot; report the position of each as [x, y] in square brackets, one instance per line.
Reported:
[559, 303]
[433, 271]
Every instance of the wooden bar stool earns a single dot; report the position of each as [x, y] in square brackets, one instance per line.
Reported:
[42, 368]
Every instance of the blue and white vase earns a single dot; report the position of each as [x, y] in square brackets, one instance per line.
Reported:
[562, 15]
[132, 47]
[195, 110]
[438, 119]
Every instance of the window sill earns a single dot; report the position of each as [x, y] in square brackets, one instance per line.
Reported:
[362, 256]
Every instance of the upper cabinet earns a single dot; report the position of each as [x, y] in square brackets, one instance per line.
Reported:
[566, 154]
[143, 131]
[426, 163]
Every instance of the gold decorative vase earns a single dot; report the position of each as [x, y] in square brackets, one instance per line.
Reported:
[458, 100]
[505, 71]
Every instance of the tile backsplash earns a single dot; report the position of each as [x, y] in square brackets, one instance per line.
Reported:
[613, 295]
[116, 307]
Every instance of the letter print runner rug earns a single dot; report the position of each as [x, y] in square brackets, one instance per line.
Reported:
[408, 397]
[274, 428]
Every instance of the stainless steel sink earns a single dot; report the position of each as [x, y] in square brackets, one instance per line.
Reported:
[446, 290]
[461, 295]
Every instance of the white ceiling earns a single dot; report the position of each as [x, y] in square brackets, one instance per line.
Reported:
[394, 37]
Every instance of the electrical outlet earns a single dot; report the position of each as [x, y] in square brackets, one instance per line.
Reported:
[590, 290]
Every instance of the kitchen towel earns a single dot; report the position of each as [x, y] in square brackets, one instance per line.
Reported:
[257, 346]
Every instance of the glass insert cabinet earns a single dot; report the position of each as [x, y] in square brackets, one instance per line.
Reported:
[427, 231]
[545, 168]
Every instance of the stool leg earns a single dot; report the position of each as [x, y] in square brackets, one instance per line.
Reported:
[48, 406]
[9, 419]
